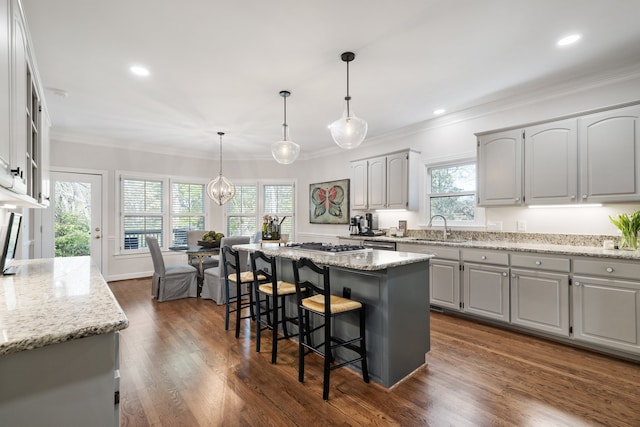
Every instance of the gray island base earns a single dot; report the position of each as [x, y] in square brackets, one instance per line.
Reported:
[394, 286]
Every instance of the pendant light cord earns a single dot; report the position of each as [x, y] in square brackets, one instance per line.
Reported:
[220, 133]
[348, 98]
[284, 125]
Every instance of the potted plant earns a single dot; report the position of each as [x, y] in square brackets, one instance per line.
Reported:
[629, 225]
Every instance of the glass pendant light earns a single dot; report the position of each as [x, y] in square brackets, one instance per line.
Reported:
[348, 131]
[285, 151]
[220, 189]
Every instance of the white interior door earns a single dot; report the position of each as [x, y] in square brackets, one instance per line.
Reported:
[72, 224]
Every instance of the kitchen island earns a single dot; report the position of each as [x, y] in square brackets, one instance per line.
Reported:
[393, 286]
[59, 326]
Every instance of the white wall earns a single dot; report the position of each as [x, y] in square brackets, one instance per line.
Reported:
[449, 137]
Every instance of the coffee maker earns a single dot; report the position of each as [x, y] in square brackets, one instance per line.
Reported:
[355, 226]
[369, 223]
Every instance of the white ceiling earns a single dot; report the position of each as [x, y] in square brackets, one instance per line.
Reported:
[219, 66]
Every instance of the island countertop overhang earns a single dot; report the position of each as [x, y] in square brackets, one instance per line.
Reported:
[370, 260]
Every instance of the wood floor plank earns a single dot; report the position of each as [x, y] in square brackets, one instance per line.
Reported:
[179, 367]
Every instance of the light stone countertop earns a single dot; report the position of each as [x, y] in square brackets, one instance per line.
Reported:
[55, 300]
[570, 250]
[370, 260]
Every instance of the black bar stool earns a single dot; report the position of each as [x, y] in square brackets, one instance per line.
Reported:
[321, 304]
[274, 292]
[243, 280]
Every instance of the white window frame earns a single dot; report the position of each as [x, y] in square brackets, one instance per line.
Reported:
[479, 217]
[259, 184]
[167, 213]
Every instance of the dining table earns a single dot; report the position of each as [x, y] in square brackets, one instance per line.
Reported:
[198, 253]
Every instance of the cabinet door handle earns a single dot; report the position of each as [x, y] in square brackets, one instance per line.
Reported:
[576, 283]
[504, 274]
[609, 270]
[538, 262]
[517, 199]
[483, 257]
[513, 275]
[584, 196]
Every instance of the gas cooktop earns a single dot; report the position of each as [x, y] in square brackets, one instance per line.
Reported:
[329, 249]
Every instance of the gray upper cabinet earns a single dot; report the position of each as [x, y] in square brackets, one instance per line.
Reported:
[359, 184]
[377, 183]
[500, 168]
[6, 177]
[591, 158]
[610, 156]
[551, 163]
[24, 145]
[18, 100]
[385, 182]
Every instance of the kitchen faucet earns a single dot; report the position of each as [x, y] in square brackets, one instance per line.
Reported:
[446, 229]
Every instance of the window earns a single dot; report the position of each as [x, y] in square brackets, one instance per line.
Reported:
[242, 211]
[187, 210]
[142, 212]
[252, 201]
[451, 192]
[150, 209]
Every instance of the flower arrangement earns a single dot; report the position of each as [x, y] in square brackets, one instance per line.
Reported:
[629, 225]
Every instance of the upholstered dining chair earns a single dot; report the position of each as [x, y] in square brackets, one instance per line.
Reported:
[213, 286]
[174, 281]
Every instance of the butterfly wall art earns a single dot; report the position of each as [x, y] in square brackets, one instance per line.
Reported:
[329, 202]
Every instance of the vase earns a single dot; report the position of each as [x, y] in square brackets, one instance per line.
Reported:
[629, 242]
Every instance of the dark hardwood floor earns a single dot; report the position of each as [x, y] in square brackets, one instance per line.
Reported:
[179, 367]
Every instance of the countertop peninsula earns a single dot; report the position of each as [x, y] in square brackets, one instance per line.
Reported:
[55, 300]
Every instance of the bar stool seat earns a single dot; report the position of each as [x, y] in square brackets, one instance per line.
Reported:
[316, 298]
[336, 304]
[283, 288]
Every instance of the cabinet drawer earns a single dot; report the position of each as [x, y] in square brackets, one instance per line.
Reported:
[541, 262]
[485, 257]
[625, 270]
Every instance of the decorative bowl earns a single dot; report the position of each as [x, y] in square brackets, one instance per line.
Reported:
[209, 243]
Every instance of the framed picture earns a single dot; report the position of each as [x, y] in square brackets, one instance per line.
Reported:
[329, 202]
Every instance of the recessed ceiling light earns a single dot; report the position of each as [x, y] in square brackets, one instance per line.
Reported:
[139, 71]
[568, 40]
[439, 111]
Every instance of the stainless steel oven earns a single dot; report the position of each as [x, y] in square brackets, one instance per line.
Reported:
[383, 246]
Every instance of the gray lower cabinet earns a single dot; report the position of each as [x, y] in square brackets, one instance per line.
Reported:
[486, 283]
[589, 300]
[73, 383]
[444, 273]
[486, 291]
[607, 312]
[540, 292]
[444, 280]
[540, 300]
[606, 304]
